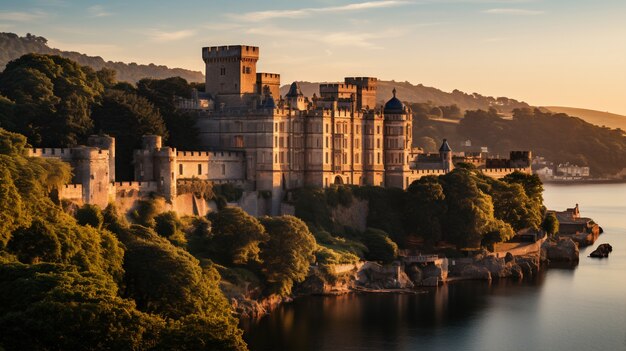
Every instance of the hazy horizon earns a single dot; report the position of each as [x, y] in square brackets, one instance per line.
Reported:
[558, 53]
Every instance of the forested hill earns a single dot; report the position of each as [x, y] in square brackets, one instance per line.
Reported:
[13, 46]
[420, 93]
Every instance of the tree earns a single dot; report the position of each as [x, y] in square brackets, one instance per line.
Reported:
[90, 215]
[288, 254]
[235, 236]
[53, 97]
[426, 209]
[56, 307]
[127, 117]
[550, 224]
[379, 246]
[169, 226]
[512, 205]
[470, 211]
[163, 93]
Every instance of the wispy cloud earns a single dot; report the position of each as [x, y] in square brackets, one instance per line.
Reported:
[162, 36]
[515, 12]
[304, 12]
[98, 11]
[360, 39]
[17, 16]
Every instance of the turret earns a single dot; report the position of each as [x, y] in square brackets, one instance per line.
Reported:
[295, 98]
[446, 156]
[105, 142]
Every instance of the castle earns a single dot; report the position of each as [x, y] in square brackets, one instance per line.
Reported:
[267, 143]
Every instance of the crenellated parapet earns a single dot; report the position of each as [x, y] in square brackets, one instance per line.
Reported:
[220, 53]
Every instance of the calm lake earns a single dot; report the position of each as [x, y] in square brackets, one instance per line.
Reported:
[564, 309]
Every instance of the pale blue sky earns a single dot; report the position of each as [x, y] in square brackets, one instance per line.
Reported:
[546, 52]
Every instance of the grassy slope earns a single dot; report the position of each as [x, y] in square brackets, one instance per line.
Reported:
[599, 118]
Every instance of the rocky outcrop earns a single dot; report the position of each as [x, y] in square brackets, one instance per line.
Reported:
[602, 251]
[375, 276]
[562, 250]
[248, 308]
[585, 239]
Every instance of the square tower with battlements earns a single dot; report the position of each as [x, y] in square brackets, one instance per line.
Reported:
[231, 76]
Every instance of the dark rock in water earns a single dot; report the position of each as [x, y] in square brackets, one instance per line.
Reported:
[602, 251]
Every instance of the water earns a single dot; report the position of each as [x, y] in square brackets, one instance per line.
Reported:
[564, 309]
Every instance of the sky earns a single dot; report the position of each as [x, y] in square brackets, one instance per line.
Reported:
[545, 52]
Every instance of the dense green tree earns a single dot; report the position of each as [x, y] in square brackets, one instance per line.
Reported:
[90, 215]
[7, 113]
[168, 225]
[163, 93]
[550, 224]
[425, 209]
[37, 243]
[56, 307]
[288, 254]
[235, 236]
[127, 117]
[470, 213]
[512, 205]
[53, 97]
[379, 246]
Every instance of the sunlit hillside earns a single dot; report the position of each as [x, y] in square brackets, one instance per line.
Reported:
[599, 118]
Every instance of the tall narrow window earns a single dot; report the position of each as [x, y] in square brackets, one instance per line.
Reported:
[223, 169]
[180, 169]
[199, 169]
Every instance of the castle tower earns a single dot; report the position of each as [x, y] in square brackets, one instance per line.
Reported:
[155, 163]
[397, 142]
[91, 169]
[365, 91]
[446, 156]
[105, 142]
[231, 76]
[295, 98]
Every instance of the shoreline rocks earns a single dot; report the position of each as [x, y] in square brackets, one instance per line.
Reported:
[562, 250]
[602, 251]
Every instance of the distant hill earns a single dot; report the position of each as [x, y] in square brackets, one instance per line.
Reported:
[13, 46]
[599, 118]
[420, 93]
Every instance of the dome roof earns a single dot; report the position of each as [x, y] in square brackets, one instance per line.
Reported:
[394, 105]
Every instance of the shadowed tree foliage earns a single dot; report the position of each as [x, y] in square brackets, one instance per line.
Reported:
[425, 209]
[53, 97]
[288, 254]
[470, 214]
[235, 236]
[550, 224]
[56, 307]
[183, 133]
[379, 246]
[127, 117]
[89, 215]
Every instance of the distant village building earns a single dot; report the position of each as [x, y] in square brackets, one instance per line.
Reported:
[570, 170]
[267, 144]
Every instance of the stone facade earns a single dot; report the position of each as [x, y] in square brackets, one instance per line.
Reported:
[267, 144]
